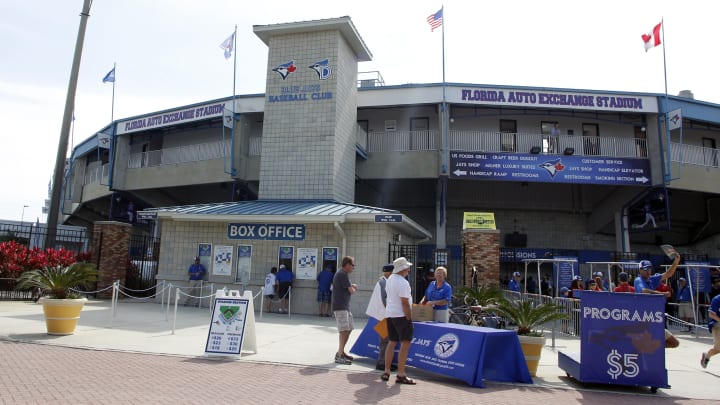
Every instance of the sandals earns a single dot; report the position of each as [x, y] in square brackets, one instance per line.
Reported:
[385, 376]
[403, 379]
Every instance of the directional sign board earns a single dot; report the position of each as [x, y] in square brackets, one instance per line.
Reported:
[388, 218]
[549, 168]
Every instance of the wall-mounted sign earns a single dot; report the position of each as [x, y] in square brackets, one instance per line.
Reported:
[549, 168]
[267, 231]
[388, 218]
[479, 220]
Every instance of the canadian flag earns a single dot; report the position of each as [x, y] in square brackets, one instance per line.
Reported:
[652, 38]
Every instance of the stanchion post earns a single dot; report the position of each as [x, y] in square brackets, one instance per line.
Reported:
[262, 304]
[289, 294]
[177, 298]
[117, 293]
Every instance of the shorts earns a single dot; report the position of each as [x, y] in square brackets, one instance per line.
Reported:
[685, 310]
[283, 289]
[270, 296]
[716, 336]
[441, 315]
[344, 320]
[400, 329]
[324, 296]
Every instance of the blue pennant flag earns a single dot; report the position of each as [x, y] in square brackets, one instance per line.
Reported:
[110, 76]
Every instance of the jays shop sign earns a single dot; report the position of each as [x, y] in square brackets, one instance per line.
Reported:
[266, 231]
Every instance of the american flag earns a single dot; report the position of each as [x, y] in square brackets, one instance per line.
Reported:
[435, 20]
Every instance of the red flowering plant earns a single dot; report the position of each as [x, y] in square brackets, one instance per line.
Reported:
[16, 258]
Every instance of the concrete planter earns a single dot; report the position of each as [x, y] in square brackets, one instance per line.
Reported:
[532, 349]
[61, 315]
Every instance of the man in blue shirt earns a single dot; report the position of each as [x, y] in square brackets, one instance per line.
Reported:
[285, 278]
[714, 317]
[684, 300]
[196, 272]
[514, 284]
[648, 284]
[324, 279]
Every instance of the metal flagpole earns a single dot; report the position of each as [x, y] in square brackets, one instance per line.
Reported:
[233, 171]
[112, 106]
[444, 152]
[668, 172]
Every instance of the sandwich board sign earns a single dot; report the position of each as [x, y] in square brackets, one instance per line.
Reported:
[232, 325]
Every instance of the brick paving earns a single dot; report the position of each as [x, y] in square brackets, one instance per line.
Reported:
[32, 373]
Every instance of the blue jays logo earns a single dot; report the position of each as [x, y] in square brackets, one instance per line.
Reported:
[285, 69]
[675, 118]
[553, 167]
[322, 68]
[447, 345]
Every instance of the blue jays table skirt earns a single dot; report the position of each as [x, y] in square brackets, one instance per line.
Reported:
[469, 353]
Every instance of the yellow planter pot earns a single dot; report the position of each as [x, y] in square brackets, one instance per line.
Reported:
[532, 349]
[61, 316]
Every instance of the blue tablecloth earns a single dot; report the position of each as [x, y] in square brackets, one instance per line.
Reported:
[469, 353]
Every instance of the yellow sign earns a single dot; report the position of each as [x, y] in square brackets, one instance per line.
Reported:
[479, 220]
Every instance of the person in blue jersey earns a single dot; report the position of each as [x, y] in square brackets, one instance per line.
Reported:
[645, 283]
[514, 284]
[196, 272]
[285, 279]
[713, 319]
[439, 296]
[324, 279]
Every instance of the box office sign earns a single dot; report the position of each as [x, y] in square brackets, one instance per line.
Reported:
[267, 231]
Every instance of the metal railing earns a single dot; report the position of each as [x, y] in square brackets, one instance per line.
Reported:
[694, 155]
[483, 141]
[100, 175]
[180, 154]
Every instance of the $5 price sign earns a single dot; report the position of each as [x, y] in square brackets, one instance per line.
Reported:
[622, 364]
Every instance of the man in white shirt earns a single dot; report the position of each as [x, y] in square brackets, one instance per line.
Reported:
[399, 315]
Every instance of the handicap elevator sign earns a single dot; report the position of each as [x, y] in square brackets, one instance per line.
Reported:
[549, 168]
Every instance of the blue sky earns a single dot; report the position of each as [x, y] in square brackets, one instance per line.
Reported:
[168, 55]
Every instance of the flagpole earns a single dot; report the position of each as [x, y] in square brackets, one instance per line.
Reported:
[233, 171]
[444, 166]
[112, 106]
[668, 172]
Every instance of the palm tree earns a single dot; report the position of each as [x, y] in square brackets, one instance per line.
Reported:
[57, 281]
[483, 296]
[528, 316]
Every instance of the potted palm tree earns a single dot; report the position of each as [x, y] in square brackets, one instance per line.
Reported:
[529, 317]
[61, 305]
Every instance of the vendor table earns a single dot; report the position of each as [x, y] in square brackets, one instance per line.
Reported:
[469, 353]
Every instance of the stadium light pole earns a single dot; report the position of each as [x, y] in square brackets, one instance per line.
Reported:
[54, 210]
[22, 216]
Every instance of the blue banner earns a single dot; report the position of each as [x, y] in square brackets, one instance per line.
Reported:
[699, 277]
[563, 272]
[549, 168]
[623, 339]
[469, 353]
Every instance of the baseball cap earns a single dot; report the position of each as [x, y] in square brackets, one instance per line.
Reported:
[388, 268]
[516, 274]
[577, 278]
[197, 258]
[563, 290]
[623, 276]
[645, 264]
[682, 279]
[598, 274]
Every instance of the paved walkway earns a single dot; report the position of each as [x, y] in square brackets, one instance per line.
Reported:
[135, 356]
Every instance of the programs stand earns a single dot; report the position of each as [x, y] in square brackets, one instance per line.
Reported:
[622, 341]
[232, 326]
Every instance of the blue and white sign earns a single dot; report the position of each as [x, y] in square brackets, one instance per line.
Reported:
[623, 339]
[549, 168]
[266, 231]
[388, 218]
[227, 326]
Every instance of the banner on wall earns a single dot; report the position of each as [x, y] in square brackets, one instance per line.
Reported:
[205, 254]
[222, 261]
[478, 220]
[306, 268]
[330, 258]
[244, 264]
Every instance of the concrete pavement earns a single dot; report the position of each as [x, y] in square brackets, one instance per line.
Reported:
[298, 347]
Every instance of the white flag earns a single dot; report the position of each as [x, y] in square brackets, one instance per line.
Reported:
[103, 140]
[675, 119]
[228, 118]
[228, 45]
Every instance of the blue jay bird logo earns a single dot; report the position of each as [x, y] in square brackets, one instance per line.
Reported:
[285, 69]
[553, 167]
[447, 345]
[322, 68]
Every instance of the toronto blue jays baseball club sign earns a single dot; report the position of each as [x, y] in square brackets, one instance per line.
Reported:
[549, 168]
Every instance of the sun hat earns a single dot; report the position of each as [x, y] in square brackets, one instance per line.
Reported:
[400, 264]
[388, 268]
